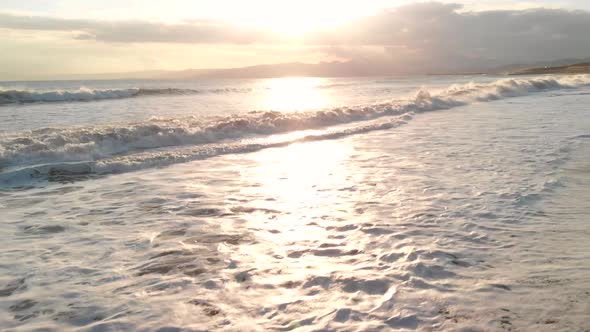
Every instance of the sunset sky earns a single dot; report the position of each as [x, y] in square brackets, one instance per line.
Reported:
[49, 38]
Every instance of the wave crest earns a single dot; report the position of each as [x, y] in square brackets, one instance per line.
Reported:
[140, 145]
[86, 94]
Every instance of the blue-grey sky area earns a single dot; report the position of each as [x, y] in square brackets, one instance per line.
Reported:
[49, 38]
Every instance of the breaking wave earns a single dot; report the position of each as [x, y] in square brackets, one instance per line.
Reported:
[60, 152]
[86, 94]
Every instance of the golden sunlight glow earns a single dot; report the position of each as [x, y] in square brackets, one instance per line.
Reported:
[298, 192]
[294, 94]
[295, 177]
[295, 18]
[299, 20]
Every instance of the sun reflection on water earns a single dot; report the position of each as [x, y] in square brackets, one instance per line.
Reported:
[302, 195]
[298, 181]
[294, 94]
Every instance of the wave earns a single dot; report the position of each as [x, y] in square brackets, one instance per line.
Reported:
[164, 141]
[73, 171]
[86, 94]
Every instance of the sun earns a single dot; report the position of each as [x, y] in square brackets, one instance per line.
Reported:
[296, 18]
[292, 26]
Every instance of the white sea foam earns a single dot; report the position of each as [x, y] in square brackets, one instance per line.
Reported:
[116, 148]
[473, 219]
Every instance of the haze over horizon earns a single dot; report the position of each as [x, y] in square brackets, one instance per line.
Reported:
[54, 39]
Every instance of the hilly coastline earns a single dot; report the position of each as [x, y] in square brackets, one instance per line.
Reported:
[578, 68]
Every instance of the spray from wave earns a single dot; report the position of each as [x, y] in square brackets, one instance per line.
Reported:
[160, 141]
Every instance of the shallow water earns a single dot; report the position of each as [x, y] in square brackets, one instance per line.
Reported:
[470, 218]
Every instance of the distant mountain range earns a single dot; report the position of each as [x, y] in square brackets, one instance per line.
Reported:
[337, 69]
[343, 69]
[322, 69]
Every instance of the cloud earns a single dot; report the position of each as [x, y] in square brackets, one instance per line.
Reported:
[419, 37]
[193, 32]
[436, 33]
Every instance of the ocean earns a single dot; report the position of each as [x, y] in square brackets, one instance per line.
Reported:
[428, 203]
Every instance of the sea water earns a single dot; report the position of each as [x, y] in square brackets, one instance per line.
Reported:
[304, 204]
